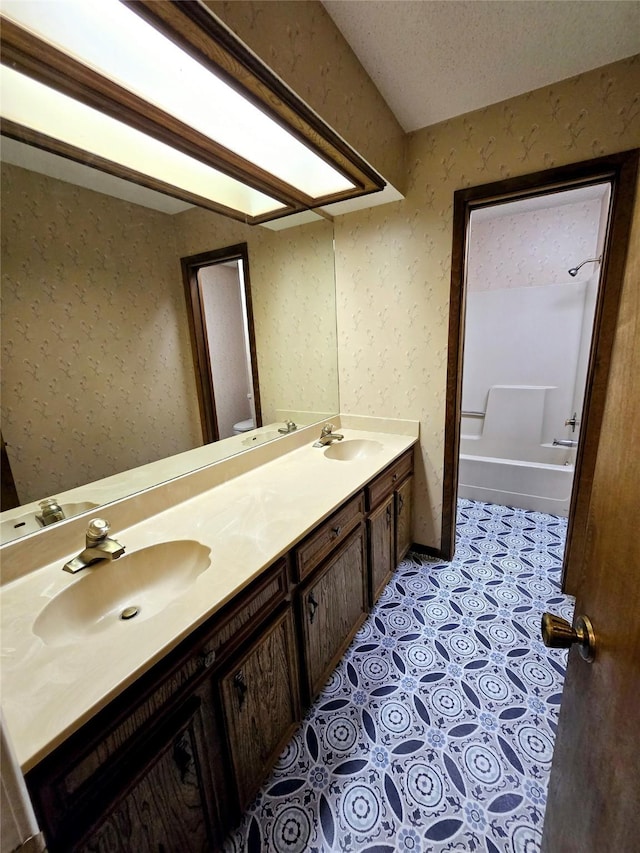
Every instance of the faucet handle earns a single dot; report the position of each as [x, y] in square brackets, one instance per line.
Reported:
[327, 429]
[97, 529]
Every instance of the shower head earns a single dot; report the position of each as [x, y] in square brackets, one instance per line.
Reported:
[574, 270]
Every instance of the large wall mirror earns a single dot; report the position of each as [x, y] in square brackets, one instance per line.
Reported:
[97, 368]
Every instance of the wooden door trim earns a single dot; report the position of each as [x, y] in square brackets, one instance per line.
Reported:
[620, 170]
[9, 495]
[199, 344]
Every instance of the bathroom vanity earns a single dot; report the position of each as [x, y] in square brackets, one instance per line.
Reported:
[170, 757]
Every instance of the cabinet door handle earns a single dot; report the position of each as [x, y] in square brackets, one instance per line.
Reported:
[336, 530]
[400, 503]
[241, 687]
[207, 659]
[313, 606]
[389, 514]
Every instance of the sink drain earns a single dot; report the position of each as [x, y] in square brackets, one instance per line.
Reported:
[129, 613]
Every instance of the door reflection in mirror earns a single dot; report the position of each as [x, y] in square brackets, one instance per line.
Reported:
[218, 295]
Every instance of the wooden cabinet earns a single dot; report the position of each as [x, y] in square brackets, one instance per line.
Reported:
[327, 536]
[151, 771]
[333, 605]
[388, 501]
[170, 764]
[158, 798]
[147, 784]
[261, 705]
[382, 546]
[389, 480]
[403, 538]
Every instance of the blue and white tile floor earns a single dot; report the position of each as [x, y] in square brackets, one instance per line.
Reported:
[436, 731]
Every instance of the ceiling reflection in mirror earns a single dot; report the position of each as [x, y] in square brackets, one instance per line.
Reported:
[97, 367]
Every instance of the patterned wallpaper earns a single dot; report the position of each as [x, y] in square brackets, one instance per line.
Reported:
[293, 296]
[393, 263]
[97, 375]
[97, 371]
[533, 248]
[300, 42]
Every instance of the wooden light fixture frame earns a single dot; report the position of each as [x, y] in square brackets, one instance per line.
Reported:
[192, 27]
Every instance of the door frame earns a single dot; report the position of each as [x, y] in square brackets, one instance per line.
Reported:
[620, 171]
[191, 265]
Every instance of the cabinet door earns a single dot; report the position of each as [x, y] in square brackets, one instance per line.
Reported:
[260, 700]
[381, 547]
[159, 799]
[403, 519]
[334, 606]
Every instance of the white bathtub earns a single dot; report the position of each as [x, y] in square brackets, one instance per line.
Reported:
[539, 486]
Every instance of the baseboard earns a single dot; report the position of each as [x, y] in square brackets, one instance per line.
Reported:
[427, 550]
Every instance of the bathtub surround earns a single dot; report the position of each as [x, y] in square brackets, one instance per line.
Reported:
[535, 485]
[436, 730]
[528, 323]
[528, 328]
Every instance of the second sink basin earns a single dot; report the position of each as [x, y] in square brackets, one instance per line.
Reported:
[354, 448]
[147, 580]
[261, 438]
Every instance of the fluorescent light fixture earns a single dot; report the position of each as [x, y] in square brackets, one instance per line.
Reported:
[112, 40]
[46, 111]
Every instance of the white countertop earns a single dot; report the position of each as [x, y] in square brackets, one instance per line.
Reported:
[48, 692]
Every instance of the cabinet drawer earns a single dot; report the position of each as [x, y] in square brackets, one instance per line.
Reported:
[384, 484]
[240, 617]
[333, 532]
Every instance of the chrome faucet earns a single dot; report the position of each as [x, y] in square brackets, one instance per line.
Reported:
[50, 512]
[564, 442]
[327, 436]
[289, 426]
[98, 547]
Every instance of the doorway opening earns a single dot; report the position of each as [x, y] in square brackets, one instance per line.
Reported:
[611, 180]
[218, 293]
[533, 269]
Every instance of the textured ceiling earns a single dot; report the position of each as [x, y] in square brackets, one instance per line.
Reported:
[434, 59]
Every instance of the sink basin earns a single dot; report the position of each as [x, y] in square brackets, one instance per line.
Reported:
[13, 528]
[260, 438]
[355, 448]
[148, 580]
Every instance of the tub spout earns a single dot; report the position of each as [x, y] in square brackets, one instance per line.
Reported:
[564, 442]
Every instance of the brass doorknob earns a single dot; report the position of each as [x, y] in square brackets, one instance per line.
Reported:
[557, 633]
